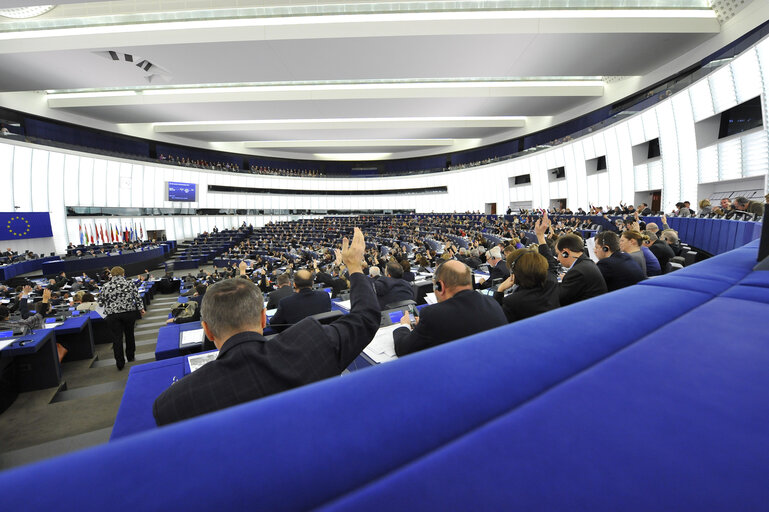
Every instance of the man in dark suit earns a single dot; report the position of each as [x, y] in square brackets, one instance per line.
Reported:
[582, 280]
[248, 366]
[303, 303]
[660, 249]
[392, 288]
[284, 290]
[618, 268]
[460, 312]
[498, 270]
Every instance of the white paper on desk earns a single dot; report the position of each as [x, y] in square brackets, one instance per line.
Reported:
[430, 298]
[345, 304]
[198, 360]
[382, 347]
[52, 325]
[4, 343]
[271, 312]
[191, 337]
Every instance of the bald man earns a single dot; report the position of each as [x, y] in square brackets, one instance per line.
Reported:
[460, 312]
[303, 303]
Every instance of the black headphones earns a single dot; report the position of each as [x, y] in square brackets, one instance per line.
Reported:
[438, 286]
[605, 248]
[512, 263]
[564, 254]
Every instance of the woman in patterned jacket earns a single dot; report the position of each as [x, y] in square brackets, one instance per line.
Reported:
[123, 307]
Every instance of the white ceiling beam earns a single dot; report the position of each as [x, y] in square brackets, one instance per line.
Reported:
[357, 143]
[470, 89]
[362, 25]
[339, 124]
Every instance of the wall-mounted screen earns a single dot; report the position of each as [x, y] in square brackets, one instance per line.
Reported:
[178, 191]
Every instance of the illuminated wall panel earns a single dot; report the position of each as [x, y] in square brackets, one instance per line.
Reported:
[6, 192]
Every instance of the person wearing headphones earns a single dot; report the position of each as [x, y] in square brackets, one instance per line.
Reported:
[460, 312]
[619, 269]
[582, 280]
[537, 288]
[497, 269]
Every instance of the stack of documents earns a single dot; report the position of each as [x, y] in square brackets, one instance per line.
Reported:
[198, 360]
[382, 348]
[431, 299]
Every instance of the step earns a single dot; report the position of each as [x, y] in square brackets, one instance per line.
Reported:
[148, 356]
[53, 448]
[84, 392]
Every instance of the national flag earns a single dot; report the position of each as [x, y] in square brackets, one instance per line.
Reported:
[80, 232]
[141, 232]
[101, 232]
[85, 229]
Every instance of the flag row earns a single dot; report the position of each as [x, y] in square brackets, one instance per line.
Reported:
[103, 233]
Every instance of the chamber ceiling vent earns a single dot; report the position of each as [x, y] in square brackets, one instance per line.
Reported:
[151, 71]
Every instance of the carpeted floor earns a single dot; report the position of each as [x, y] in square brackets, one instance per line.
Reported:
[81, 411]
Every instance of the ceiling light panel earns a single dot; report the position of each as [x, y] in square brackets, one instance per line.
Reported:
[336, 124]
[470, 89]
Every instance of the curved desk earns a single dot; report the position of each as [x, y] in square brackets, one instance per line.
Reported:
[133, 262]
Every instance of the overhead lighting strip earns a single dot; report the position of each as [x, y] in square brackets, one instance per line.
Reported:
[72, 17]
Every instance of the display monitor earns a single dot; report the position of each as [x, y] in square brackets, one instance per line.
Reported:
[178, 191]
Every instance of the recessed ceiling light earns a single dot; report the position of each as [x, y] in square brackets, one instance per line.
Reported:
[26, 12]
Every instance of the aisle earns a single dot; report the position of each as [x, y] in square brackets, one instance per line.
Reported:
[81, 411]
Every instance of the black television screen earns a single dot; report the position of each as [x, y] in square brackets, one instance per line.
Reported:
[741, 118]
[178, 191]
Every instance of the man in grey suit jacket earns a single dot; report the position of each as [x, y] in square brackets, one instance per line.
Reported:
[250, 367]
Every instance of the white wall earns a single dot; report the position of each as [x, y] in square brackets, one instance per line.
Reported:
[40, 179]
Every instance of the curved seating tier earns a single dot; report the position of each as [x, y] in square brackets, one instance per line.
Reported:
[648, 398]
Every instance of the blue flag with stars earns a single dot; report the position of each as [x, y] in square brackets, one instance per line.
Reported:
[21, 225]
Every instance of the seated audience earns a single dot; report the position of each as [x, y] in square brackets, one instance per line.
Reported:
[408, 275]
[619, 269]
[705, 207]
[305, 302]
[497, 269]
[660, 249]
[535, 288]
[670, 237]
[248, 366]
[284, 290]
[87, 302]
[392, 288]
[582, 280]
[630, 242]
[744, 205]
[460, 312]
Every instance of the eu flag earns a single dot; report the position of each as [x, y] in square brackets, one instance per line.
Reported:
[20, 225]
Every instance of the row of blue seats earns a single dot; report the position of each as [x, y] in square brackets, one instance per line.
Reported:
[648, 398]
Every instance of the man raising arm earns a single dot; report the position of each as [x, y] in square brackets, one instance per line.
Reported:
[250, 367]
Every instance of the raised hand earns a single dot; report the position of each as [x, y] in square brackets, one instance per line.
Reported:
[352, 253]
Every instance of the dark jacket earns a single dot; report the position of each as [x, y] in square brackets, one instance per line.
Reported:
[664, 253]
[276, 296]
[620, 270]
[582, 281]
[300, 305]
[390, 290]
[498, 272]
[249, 367]
[526, 302]
[466, 313]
